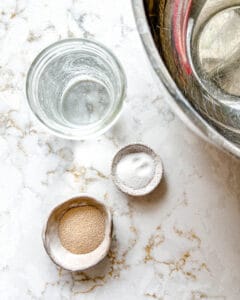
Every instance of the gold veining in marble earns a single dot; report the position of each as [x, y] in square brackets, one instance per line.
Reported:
[186, 263]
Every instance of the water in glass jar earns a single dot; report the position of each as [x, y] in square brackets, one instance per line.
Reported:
[84, 101]
[75, 90]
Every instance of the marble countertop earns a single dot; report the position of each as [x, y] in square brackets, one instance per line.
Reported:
[180, 243]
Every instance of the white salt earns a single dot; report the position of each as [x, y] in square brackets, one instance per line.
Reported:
[136, 170]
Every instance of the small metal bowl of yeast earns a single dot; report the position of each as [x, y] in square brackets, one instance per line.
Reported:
[136, 170]
[77, 234]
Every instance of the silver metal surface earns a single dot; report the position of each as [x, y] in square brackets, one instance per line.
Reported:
[168, 46]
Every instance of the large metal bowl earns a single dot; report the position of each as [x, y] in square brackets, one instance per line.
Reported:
[194, 115]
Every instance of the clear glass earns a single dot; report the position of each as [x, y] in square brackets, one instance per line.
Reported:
[76, 88]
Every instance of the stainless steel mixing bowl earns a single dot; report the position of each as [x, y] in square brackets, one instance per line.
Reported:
[194, 48]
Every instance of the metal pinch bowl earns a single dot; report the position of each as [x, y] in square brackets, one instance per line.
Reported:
[61, 256]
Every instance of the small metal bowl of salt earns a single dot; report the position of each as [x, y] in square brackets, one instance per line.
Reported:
[137, 170]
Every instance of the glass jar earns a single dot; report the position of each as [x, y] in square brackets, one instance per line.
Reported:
[76, 88]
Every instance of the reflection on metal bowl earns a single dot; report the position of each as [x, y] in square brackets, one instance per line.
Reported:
[194, 48]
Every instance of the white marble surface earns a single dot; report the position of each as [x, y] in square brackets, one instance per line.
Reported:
[180, 243]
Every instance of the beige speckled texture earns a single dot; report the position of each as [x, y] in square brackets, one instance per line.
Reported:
[81, 229]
